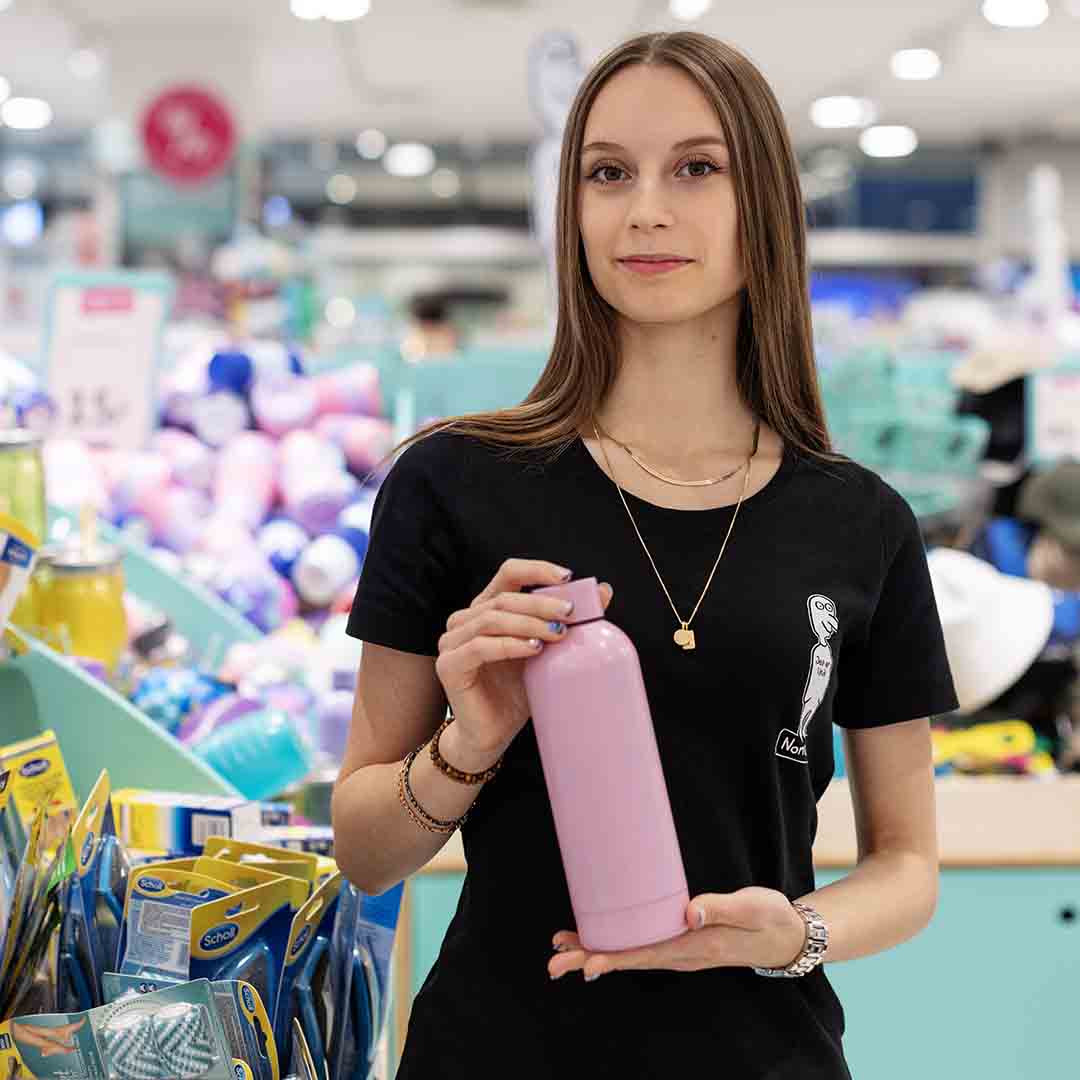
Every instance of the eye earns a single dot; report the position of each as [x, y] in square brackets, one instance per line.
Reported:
[701, 161]
[593, 176]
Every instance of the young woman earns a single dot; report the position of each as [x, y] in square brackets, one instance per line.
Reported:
[674, 448]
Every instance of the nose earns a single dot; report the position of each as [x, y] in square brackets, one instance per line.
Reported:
[648, 206]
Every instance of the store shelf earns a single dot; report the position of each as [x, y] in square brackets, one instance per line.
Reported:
[97, 728]
[882, 247]
[982, 821]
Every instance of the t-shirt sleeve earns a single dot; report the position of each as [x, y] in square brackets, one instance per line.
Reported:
[411, 577]
[897, 669]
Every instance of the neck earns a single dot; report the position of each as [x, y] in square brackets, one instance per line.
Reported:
[675, 397]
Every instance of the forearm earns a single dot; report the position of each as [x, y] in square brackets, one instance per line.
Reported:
[376, 842]
[887, 899]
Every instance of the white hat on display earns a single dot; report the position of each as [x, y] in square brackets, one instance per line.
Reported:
[995, 625]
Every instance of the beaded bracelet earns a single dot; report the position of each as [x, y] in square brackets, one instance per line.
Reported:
[456, 774]
[409, 801]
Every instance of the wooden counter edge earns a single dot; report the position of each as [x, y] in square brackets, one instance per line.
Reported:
[982, 821]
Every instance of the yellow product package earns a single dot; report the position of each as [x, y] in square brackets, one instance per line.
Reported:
[18, 550]
[39, 776]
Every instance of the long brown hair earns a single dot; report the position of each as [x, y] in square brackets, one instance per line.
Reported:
[776, 370]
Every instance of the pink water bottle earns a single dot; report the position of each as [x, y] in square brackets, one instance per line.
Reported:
[602, 768]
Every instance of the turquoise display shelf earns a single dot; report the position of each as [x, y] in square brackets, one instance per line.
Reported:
[945, 1004]
[97, 728]
[196, 613]
[472, 380]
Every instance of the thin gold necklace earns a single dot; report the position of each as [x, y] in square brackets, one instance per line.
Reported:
[670, 479]
[684, 636]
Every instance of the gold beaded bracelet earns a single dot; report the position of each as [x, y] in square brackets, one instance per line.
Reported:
[409, 801]
[456, 774]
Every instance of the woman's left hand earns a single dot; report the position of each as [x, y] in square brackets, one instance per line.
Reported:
[753, 927]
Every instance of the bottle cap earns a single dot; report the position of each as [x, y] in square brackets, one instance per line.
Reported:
[585, 593]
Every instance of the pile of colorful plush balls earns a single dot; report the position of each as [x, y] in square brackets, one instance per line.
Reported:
[258, 484]
[252, 484]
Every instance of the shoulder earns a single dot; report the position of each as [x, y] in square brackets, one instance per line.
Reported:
[858, 487]
[450, 464]
[860, 496]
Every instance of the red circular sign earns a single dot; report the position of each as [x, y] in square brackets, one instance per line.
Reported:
[189, 135]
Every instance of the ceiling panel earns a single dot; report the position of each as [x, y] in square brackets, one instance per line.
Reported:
[444, 68]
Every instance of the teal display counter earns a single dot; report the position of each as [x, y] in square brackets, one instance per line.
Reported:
[96, 727]
[988, 990]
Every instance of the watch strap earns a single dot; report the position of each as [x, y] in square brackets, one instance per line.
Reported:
[813, 950]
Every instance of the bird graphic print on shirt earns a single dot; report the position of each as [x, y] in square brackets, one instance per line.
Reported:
[823, 621]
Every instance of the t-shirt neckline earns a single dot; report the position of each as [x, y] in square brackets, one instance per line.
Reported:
[767, 493]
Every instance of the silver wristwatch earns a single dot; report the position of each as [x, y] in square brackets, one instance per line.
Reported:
[813, 950]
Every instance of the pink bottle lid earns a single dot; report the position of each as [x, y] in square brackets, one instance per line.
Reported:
[585, 593]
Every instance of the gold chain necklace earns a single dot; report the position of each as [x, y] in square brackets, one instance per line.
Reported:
[684, 636]
[670, 479]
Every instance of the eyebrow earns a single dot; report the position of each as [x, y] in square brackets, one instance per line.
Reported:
[694, 140]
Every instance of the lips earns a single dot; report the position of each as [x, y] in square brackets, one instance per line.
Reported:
[655, 259]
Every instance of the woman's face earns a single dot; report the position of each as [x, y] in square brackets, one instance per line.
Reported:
[648, 196]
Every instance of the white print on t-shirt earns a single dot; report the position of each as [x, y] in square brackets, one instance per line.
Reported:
[824, 622]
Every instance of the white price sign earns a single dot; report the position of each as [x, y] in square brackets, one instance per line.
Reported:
[103, 341]
[1053, 414]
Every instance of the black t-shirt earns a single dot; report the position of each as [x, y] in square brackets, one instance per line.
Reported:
[821, 611]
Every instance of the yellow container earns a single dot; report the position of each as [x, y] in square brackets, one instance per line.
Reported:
[81, 603]
[22, 479]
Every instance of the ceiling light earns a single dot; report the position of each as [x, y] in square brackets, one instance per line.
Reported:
[306, 9]
[688, 10]
[371, 144]
[409, 159]
[85, 64]
[22, 224]
[341, 189]
[888, 140]
[1016, 14]
[445, 183]
[916, 64]
[340, 312]
[842, 112]
[26, 114]
[345, 10]
[5, 86]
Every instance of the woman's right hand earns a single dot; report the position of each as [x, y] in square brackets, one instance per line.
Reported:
[483, 652]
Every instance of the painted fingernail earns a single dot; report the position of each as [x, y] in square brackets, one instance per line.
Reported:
[560, 947]
[592, 978]
[566, 574]
[535, 643]
[568, 606]
[556, 627]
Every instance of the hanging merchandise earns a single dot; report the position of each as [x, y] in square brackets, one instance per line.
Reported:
[975, 602]
[39, 778]
[175, 1032]
[304, 984]
[94, 905]
[1052, 500]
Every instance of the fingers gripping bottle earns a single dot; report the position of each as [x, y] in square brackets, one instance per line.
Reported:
[602, 769]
